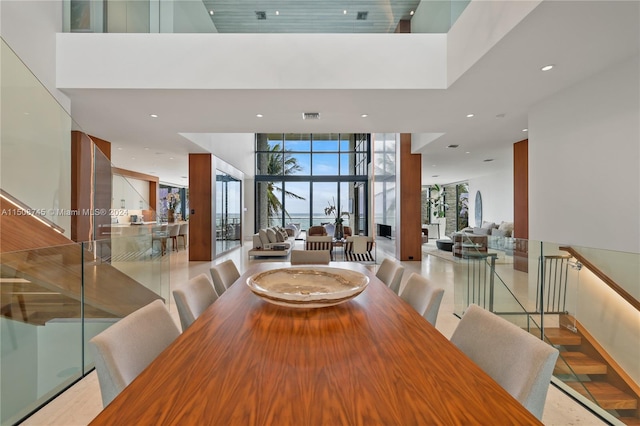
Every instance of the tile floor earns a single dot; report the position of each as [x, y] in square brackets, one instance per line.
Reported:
[81, 403]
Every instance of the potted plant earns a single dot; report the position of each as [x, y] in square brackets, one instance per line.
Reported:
[172, 199]
[331, 210]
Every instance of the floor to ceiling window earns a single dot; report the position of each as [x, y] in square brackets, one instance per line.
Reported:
[299, 175]
[228, 212]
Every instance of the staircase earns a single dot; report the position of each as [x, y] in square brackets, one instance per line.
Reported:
[585, 367]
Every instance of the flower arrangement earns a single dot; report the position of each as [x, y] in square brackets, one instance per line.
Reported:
[331, 210]
[172, 199]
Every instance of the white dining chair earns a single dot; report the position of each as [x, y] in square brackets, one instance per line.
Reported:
[390, 273]
[224, 274]
[123, 350]
[310, 257]
[520, 362]
[193, 298]
[184, 232]
[174, 230]
[423, 296]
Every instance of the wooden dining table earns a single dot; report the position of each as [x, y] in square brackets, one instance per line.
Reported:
[372, 360]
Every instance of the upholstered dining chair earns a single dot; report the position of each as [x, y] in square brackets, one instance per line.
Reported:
[184, 231]
[224, 274]
[193, 298]
[521, 363]
[310, 257]
[390, 273]
[123, 350]
[174, 230]
[160, 233]
[423, 296]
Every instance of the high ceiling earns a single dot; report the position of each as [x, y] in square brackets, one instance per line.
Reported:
[309, 16]
[581, 38]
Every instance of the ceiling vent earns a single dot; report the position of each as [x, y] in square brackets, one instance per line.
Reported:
[362, 16]
[311, 116]
[260, 15]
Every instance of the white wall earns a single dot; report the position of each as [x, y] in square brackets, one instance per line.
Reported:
[584, 157]
[248, 61]
[497, 196]
[480, 26]
[29, 28]
[237, 149]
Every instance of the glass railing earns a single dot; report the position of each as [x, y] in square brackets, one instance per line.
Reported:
[553, 292]
[54, 300]
[56, 294]
[215, 16]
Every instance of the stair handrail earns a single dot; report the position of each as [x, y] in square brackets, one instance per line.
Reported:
[604, 277]
[31, 212]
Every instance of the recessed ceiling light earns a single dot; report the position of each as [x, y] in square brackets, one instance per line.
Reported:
[259, 115]
[277, 12]
[470, 115]
[170, 158]
[364, 115]
[344, 12]
[146, 148]
[26, 113]
[468, 152]
[211, 12]
[452, 146]
[525, 130]
[119, 148]
[433, 165]
[133, 158]
[153, 115]
[488, 160]
[547, 67]
[412, 12]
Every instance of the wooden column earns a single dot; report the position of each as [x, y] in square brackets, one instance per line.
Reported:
[404, 26]
[201, 220]
[91, 187]
[521, 204]
[410, 198]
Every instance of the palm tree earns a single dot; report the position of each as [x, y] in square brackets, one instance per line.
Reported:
[279, 163]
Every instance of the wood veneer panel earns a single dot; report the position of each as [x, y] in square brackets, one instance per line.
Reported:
[410, 200]
[18, 232]
[521, 189]
[201, 206]
[103, 146]
[521, 203]
[91, 188]
[371, 360]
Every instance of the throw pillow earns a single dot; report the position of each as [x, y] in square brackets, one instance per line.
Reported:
[264, 239]
[271, 234]
[507, 227]
[257, 244]
[488, 225]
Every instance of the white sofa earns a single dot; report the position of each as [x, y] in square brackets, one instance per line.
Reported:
[272, 242]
